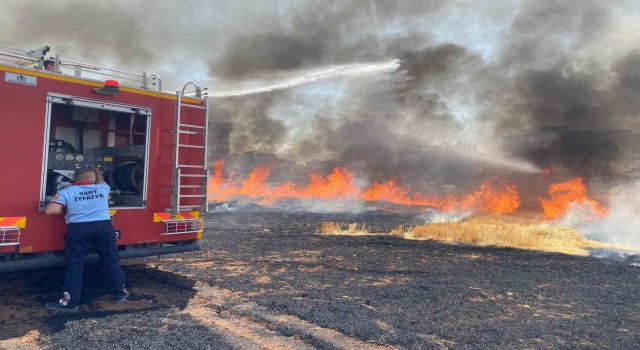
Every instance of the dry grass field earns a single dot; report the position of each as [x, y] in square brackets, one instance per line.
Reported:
[490, 230]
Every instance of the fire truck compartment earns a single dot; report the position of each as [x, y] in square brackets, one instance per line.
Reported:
[109, 136]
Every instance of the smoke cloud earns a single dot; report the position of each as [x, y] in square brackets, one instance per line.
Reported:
[619, 226]
[503, 88]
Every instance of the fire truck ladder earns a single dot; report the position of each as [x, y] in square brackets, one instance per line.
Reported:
[183, 174]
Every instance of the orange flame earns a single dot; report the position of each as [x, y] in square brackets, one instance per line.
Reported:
[492, 197]
[387, 192]
[563, 195]
[217, 188]
[487, 199]
[339, 184]
[491, 200]
[254, 185]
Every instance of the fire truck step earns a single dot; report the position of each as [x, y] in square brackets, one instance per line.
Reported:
[183, 208]
[190, 166]
[192, 106]
[192, 175]
[190, 186]
[189, 146]
[191, 132]
[192, 126]
[193, 195]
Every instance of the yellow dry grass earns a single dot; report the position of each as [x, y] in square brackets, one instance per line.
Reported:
[330, 227]
[499, 231]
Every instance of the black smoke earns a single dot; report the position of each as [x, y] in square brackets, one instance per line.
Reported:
[482, 88]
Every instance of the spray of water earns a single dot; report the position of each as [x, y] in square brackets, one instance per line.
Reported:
[316, 75]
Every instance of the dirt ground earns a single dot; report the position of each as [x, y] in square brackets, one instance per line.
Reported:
[269, 281]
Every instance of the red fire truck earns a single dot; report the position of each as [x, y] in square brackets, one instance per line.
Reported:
[150, 145]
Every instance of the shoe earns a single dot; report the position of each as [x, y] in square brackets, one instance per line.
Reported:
[121, 296]
[58, 306]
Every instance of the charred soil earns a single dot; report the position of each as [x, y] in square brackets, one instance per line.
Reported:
[267, 280]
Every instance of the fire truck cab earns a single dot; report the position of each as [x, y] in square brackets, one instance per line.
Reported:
[150, 145]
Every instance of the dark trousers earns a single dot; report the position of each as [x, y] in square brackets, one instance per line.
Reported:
[80, 237]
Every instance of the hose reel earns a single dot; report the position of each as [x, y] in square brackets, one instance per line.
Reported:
[128, 176]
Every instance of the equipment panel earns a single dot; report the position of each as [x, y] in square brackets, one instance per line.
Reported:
[112, 140]
[72, 161]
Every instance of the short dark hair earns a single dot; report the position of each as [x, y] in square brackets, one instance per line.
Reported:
[48, 62]
[81, 171]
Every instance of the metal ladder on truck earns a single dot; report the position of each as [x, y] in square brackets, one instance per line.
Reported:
[184, 175]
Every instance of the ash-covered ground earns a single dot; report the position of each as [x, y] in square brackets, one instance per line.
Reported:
[267, 280]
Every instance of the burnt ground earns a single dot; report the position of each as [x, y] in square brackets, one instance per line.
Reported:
[268, 281]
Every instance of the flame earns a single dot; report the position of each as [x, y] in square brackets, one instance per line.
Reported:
[495, 196]
[488, 199]
[254, 185]
[218, 189]
[339, 184]
[388, 192]
[498, 198]
[563, 195]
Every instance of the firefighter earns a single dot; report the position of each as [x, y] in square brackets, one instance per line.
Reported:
[49, 65]
[89, 225]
